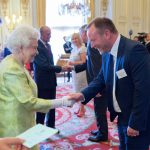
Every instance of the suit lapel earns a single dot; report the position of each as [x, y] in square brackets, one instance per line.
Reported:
[47, 55]
[120, 61]
[120, 56]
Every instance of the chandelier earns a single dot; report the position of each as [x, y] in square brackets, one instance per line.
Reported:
[74, 7]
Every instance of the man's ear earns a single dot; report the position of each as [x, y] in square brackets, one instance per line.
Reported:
[21, 48]
[107, 34]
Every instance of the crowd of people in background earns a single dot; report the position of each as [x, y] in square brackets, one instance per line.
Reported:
[144, 38]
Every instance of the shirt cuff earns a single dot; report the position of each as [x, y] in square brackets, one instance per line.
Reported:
[83, 99]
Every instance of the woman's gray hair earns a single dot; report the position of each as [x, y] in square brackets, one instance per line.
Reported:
[21, 37]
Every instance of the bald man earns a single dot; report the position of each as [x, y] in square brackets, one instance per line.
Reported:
[45, 75]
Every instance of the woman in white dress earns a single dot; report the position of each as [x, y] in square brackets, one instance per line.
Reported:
[78, 56]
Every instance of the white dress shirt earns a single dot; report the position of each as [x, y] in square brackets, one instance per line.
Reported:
[114, 52]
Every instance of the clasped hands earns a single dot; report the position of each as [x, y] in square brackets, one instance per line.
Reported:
[68, 67]
[71, 99]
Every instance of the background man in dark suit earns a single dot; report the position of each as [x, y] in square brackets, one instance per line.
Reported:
[67, 48]
[125, 75]
[45, 75]
[148, 42]
[93, 66]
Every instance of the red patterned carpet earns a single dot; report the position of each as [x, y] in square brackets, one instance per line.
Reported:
[75, 131]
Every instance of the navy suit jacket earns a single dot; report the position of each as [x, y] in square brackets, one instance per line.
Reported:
[44, 68]
[132, 91]
[81, 67]
[92, 64]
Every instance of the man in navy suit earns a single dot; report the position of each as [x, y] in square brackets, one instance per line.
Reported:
[45, 75]
[148, 42]
[67, 46]
[125, 75]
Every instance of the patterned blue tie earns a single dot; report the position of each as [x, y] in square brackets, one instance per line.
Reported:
[110, 80]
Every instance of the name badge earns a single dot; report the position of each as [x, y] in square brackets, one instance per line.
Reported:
[121, 73]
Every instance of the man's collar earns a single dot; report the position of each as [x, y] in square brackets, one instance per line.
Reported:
[43, 42]
[114, 49]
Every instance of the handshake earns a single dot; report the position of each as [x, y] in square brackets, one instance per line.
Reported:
[64, 101]
[67, 101]
[71, 99]
[67, 67]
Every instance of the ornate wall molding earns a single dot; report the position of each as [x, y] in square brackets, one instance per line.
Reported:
[4, 6]
[131, 15]
[92, 9]
[13, 13]
[24, 6]
[104, 7]
[41, 12]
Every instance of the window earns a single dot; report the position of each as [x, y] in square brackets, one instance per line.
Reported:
[61, 25]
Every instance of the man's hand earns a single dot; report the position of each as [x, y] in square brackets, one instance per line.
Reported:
[64, 68]
[76, 96]
[67, 68]
[70, 67]
[98, 95]
[132, 132]
[71, 63]
[6, 144]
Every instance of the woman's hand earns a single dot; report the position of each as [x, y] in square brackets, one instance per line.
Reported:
[7, 143]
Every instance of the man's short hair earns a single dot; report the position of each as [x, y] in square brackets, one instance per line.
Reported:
[83, 28]
[102, 24]
[43, 29]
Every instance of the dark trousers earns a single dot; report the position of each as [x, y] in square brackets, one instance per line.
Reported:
[68, 75]
[100, 108]
[140, 142]
[50, 116]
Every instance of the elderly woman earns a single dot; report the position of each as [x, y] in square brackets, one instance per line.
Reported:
[18, 96]
[77, 57]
